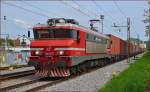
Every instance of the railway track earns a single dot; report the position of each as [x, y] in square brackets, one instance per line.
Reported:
[69, 78]
[41, 83]
[37, 84]
[16, 74]
[62, 80]
[51, 82]
[34, 84]
[16, 85]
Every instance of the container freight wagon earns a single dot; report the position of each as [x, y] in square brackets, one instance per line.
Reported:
[131, 49]
[123, 48]
[118, 47]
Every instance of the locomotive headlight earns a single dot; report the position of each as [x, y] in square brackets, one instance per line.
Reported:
[37, 52]
[61, 52]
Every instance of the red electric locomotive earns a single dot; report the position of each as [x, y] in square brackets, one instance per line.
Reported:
[62, 46]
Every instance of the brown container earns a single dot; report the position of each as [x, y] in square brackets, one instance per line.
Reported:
[130, 48]
[115, 45]
[123, 47]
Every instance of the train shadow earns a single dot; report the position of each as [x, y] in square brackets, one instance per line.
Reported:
[137, 58]
[50, 78]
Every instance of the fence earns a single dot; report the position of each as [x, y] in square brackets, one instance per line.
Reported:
[12, 57]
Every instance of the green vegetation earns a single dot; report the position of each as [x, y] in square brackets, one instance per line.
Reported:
[1, 41]
[15, 66]
[10, 42]
[133, 79]
[136, 40]
[12, 66]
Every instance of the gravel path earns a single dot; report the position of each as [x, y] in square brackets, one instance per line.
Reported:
[90, 81]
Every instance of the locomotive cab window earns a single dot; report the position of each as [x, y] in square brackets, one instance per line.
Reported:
[78, 36]
[55, 34]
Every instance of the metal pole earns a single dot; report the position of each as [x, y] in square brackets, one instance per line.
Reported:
[138, 38]
[102, 26]
[128, 39]
[102, 18]
[149, 26]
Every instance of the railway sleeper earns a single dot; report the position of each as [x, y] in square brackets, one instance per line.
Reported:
[54, 70]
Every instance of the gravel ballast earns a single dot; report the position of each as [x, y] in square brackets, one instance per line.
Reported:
[91, 81]
[3, 72]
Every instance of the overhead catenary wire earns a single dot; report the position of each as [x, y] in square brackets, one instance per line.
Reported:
[85, 8]
[27, 10]
[99, 7]
[104, 11]
[77, 9]
[134, 30]
[119, 9]
[96, 15]
[46, 11]
[106, 27]
[40, 9]
[123, 14]
[41, 14]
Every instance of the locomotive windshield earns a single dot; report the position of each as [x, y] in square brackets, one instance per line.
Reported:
[55, 34]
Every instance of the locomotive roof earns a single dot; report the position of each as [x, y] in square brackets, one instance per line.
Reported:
[85, 29]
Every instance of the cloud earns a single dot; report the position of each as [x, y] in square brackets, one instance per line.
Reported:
[22, 23]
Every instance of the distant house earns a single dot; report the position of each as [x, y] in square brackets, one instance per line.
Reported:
[25, 42]
[17, 42]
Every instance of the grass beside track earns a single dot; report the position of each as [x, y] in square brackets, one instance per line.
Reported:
[133, 79]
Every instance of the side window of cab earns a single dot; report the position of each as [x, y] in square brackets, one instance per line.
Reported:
[78, 37]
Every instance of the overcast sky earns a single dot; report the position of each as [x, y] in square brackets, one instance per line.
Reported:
[21, 15]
